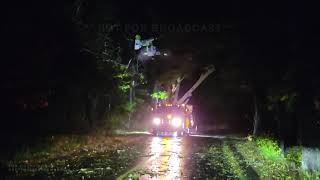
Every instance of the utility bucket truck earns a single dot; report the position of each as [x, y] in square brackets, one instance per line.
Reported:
[173, 120]
[177, 118]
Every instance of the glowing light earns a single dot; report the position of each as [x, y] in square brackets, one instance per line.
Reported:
[156, 149]
[174, 159]
[176, 121]
[175, 134]
[165, 161]
[156, 121]
[169, 116]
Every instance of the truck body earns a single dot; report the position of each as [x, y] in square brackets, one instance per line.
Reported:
[172, 120]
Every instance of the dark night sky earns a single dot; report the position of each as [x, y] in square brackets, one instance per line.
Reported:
[266, 24]
[263, 33]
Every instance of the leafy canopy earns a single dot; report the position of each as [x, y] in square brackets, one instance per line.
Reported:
[160, 95]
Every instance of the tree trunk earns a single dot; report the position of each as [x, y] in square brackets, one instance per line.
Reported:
[256, 116]
[87, 109]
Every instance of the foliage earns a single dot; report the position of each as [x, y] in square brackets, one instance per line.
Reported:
[262, 154]
[286, 97]
[269, 148]
[124, 87]
[123, 76]
[119, 118]
[162, 95]
[116, 120]
[294, 155]
[130, 106]
[249, 138]
[49, 145]
[309, 174]
[264, 158]
[265, 155]
[218, 162]
[234, 162]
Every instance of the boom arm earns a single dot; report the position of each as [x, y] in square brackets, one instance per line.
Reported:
[188, 94]
[176, 89]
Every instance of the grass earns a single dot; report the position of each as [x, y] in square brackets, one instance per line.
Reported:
[233, 161]
[218, 162]
[267, 158]
[269, 148]
[274, 168]
[294, 156]
[51, 146]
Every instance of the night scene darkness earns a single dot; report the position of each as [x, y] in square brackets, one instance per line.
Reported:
[98, 89]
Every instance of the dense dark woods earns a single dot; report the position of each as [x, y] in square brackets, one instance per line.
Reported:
[53, 72]
[62, 72]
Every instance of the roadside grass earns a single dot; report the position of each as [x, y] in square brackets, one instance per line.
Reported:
[51, 147]
[274, 168]
[269, 148]
[234, 162]
[217, 162]
[77, 156]
[294, 156]
[268, 160]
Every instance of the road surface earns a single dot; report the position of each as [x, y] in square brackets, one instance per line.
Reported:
[144, 157]
[170, 157]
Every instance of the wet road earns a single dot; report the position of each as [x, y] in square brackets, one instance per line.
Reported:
[142, 156]
[169, 157]
[166, 157]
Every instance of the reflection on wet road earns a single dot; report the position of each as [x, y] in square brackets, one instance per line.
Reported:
[165, 159]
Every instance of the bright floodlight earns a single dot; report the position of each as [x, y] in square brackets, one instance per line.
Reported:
[156, 121]
[176, 121]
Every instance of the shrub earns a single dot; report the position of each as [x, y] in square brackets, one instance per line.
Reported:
[294, 155]
[269, 148]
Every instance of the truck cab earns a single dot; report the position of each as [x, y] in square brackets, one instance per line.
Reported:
[172, 120]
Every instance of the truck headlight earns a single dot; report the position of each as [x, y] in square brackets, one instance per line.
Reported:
[176, 121]
[156, 121]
